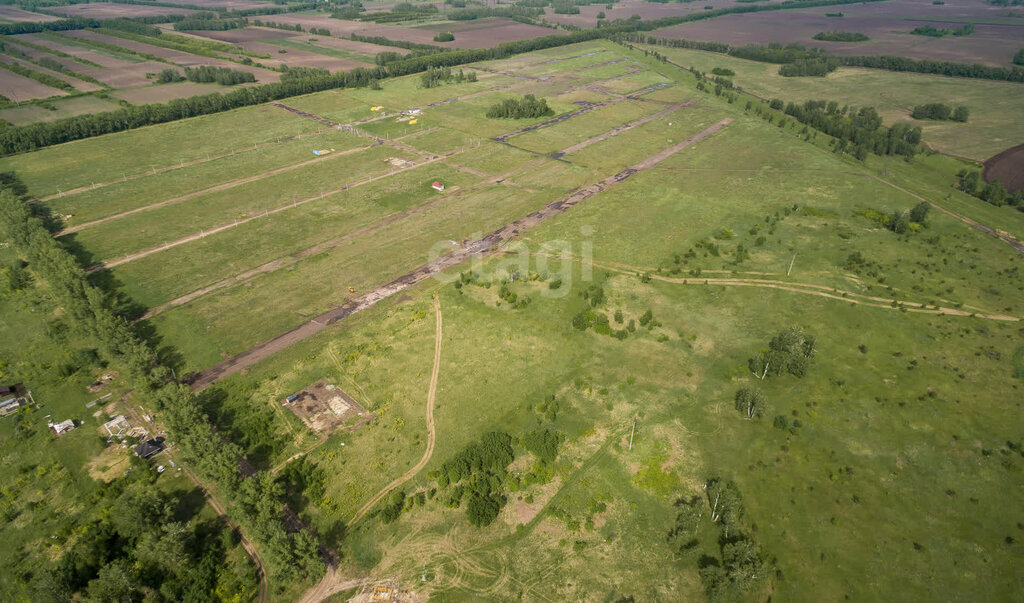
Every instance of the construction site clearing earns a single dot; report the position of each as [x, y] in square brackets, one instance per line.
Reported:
[324, 407]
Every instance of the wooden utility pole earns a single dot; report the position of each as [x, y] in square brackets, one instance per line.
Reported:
[791, 265]
[631, 431]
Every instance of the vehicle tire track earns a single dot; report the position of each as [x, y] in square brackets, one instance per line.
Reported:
[474, 248]
[431, 392]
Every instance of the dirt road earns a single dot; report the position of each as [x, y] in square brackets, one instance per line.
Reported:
[431, 392]
[481, 246]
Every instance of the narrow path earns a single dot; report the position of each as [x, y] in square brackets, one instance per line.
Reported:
[431, 391]
[796, 287]
[481, 246]
[249, 547]
[264, 214]
[624, 127]
[213, 189]
[178, 166]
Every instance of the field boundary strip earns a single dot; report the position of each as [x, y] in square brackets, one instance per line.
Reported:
[479, 247]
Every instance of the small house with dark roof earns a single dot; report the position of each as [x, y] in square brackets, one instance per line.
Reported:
[150, 448]
[12, 397]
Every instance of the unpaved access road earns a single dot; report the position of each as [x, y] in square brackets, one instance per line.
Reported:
[481, 246]
[431, 392]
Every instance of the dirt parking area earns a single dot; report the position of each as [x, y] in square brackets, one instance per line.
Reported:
[108, 10]
[324, 407]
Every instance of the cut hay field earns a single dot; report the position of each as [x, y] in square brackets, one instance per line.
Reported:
[994, 106]
[630, 282]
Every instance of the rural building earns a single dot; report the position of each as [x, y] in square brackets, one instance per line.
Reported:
[150, 448]
[62, 427]
[437, 186]
[11, 398]
[117, 426]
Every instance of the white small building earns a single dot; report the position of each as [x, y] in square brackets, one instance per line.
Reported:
[62, 427]
[437, 186]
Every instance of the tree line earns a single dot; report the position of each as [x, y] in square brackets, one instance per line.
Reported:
[970, 182]
[777, 53]
[33, 136]
[92, 312]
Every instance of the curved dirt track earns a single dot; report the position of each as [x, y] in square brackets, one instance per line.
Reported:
[797, 287]
[332, 581]
[431, 391]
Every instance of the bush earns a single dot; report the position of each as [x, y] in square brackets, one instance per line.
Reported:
[723, 71]
[444, 36]
[168, 76]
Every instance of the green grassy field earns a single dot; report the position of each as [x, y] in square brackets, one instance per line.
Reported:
[890, 468]
[993, 125]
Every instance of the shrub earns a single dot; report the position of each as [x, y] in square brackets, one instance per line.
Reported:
[444, 36]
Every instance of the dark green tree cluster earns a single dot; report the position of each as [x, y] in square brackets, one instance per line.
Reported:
[750, 402]
[742, 566]
[840, 36]
[92, 313]
[444, 36]
[402, 11]
[857, 131]
[940, 112]
[723, 71]
[519, 13]
[224, 76]
[809, 67]
[790, 352]
[936, 32]
[527, 107]
[993, 192]
[478, 472]
[1018, 58]
[169, 76]
[140, 540]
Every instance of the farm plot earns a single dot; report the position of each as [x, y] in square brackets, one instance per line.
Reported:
[485, 33]
[324, 407]
[165, 146]
[77, 84]
[285, 49]
[582, 127]
[113, 72]
[211, 326]
[177, 57]
[148, 190]
[17, 15]
[989, 44]
[20, 88]
[166, 92]
[587, 16]
[109, 10]
[145, 230]
[65, 107]
[185, 273]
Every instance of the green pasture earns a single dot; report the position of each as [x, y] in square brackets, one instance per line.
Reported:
[147, 189]
[168, 223]
[111, 157]
[994, 107]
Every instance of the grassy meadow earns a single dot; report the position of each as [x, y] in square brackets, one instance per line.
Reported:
[889, 468]
[994, 107]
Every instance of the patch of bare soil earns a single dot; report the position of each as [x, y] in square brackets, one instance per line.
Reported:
[324, 407]
[1008, 168]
